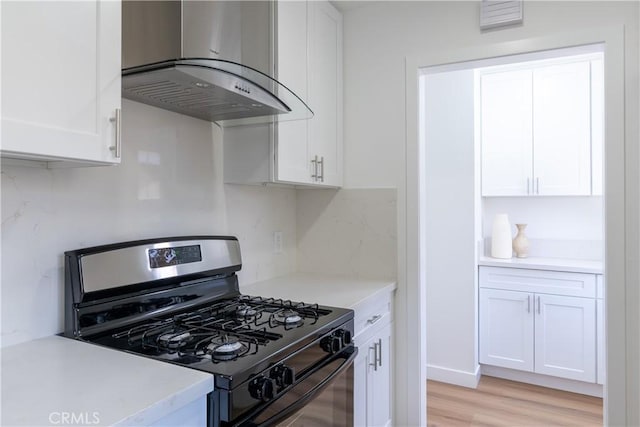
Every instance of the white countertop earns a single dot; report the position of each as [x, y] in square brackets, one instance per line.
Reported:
[56, 374]
[536, 263]
[328, 290]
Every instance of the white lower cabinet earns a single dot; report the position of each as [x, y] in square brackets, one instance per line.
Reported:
[506, 329]
[372, 375]
[538, 332]
[373, 365]
[600, 342]
[565, 337]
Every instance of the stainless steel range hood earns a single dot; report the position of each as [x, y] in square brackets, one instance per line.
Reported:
[206, 59]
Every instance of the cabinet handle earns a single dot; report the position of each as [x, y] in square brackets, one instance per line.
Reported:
[528, 186]
[314, 162]
[538, 305]
[117, 120]
[375, 356]
[374, 319]
[537, 185]
[528, 303]
[380, 352]
[321, 163]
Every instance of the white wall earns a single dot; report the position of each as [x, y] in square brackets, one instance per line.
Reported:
[347, 232]
[379, 36]
[450, 252]
[169, 183]
[557, 218]
[557, 227]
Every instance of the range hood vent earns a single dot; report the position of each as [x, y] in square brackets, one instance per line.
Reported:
[191, 57]
[224, 92]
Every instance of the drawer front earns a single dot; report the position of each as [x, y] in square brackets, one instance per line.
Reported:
[372, 314]
[539, 281]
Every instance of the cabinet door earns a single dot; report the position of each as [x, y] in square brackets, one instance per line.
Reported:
[379, 387]
[506, 329]
[292, 157]
[562, 129]
[60, 80]
[601, 361]
[325, 90]
[506, 133]
[361, 383]
[565, 337]
[597, 126]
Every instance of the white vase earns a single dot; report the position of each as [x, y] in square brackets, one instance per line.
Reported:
[521, 242]
[501, 246]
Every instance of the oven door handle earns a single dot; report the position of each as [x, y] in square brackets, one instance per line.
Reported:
[308, 396]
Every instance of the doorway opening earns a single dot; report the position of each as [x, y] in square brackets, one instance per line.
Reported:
[521, 138]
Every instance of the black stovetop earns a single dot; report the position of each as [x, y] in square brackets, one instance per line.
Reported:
[233, 338]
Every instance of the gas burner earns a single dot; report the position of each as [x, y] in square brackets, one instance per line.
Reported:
[287, 317]
[174, 339]
[245, 311]
[226, 348]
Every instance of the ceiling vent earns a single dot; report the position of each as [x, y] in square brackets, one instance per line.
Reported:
[497, 13]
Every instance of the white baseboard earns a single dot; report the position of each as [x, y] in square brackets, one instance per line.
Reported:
[454, 376]
[573, 386]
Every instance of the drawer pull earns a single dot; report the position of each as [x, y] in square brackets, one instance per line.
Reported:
[374, 319]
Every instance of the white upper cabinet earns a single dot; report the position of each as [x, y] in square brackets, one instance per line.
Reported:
[325, 92]
[310, 63]
[562, 129]
[292, 148]
[541, 128]
[506, 110]
[308, 60]
[61, 81]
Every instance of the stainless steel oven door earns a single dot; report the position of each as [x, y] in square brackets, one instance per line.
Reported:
[324, 397]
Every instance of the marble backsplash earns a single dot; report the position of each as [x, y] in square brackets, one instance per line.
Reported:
[169, 183]
[349, 232]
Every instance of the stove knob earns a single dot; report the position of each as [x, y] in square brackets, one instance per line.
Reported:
[283, 375]
[261, 388]
[344, 335]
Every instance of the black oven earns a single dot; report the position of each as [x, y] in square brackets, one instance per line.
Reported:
[274, 361]
[312, 387]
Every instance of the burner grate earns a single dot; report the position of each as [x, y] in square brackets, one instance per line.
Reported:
[223, 331]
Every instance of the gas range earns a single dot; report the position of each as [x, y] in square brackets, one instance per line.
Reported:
[177, 300]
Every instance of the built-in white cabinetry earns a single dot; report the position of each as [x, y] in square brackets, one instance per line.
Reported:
[565, 337]
[373, 365]
[61, 82]
[539, 321]
[600, 332]
[506, 329]
[541, 128]
[308, 60]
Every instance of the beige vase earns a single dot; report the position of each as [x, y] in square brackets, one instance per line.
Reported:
[521, 242]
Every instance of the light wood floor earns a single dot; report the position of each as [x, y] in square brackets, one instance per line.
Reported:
[498, 402]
